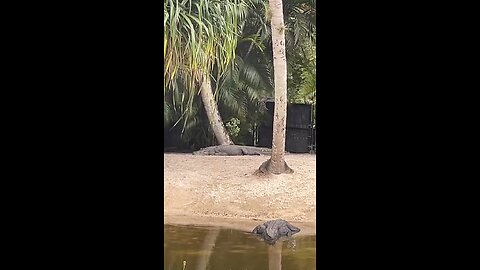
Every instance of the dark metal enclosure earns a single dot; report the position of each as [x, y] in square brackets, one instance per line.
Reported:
[300, 134]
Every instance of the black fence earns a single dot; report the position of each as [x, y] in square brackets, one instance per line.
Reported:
[171, 139]
[300, 133]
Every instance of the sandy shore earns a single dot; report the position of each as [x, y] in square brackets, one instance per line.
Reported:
[222, 191]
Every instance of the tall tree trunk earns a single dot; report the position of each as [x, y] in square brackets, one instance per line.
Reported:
[213, 115]
[276, 164]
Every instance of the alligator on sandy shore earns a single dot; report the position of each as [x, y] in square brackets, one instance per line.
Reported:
[273, 230]
[233, 150]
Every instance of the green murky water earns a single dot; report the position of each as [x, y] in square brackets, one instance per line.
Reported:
[212, 248]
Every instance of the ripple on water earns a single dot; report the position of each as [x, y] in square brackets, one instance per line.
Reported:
[230, 249]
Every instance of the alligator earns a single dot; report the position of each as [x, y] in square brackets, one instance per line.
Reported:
[233, 150]
[273, 230]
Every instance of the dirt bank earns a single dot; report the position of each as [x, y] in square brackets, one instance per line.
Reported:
[222, 190]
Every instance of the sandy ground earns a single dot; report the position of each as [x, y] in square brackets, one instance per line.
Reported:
[222, 191]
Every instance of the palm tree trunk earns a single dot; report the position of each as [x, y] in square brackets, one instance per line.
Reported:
[276, 164]
[213, 115]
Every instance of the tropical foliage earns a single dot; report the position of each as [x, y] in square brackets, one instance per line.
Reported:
[229, 41]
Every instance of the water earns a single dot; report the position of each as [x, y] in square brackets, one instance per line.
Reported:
[213, 248]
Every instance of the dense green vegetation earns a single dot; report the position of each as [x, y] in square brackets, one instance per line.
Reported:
[229, 42]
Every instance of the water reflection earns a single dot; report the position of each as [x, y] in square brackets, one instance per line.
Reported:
[275, 257]
[207, 248]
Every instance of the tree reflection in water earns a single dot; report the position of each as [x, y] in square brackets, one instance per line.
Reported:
[275, 256]
[215, 248]
[207, 246]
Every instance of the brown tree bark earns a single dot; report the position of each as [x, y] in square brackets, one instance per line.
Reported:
[276, 164]
[213, 114]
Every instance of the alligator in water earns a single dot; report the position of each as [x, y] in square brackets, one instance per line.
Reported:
[273, 230]
[233, 150]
